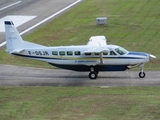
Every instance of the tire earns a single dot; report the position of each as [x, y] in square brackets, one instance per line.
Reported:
[92, 75]
[142, 74]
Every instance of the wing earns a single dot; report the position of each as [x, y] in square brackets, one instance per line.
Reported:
[96, 50]
[97, 41]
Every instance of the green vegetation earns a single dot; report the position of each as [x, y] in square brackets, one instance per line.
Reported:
[79, 103]
[133, 24]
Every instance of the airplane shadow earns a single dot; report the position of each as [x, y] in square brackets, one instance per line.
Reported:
[74, 80]
[71, 79]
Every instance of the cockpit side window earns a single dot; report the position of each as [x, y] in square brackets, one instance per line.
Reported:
[121, 50]
[112, 53]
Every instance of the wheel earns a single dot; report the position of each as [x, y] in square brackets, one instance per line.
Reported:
[142, 74]
[92, 75]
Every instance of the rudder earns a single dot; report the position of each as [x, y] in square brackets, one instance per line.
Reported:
[13, 39]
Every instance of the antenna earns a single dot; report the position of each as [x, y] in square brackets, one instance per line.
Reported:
[48, 45]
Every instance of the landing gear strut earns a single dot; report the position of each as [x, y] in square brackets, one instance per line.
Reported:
[93, 74]
[142, 73]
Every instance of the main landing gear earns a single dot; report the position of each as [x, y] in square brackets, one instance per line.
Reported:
[93, 74]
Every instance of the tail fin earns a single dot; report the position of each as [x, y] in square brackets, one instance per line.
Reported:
[13, 39]
[14, 42]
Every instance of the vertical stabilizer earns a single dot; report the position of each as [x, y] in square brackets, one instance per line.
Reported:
[13, 39]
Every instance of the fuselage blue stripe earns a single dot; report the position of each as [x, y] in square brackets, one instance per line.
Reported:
[39, 57]
[137, 53]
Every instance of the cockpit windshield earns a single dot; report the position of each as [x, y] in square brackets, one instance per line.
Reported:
[121, 50]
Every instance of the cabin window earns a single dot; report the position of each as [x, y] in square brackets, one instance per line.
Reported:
[96, 53]
[87, 53]
[112, 53]
[62, 53]
[77, 53]
[105, 53]
[69, 53]
[54, 52]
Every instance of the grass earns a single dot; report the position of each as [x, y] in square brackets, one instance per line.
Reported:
[133, 24]
[79, 103]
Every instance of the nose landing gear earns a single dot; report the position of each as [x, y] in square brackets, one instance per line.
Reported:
[142, 73]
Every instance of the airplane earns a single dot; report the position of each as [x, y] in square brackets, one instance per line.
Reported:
[93, 57]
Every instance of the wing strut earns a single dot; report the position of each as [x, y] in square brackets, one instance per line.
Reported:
[101, 58]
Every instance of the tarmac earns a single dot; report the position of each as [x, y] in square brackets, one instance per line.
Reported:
[11, 75]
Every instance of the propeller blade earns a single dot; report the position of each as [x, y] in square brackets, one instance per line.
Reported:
[151, 57]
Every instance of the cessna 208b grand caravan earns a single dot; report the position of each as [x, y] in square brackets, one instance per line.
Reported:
[94, 57]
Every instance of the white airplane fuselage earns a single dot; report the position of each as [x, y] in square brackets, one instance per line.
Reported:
[67, 58]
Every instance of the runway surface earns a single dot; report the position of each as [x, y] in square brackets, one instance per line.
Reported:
[28, 76]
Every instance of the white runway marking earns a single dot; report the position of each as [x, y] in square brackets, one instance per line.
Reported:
[10, 5]
[64, 9]
[46, 19]
[17, 20]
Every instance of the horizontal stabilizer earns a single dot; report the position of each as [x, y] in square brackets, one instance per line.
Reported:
[14, 42]
[31, 45]
[17, 51]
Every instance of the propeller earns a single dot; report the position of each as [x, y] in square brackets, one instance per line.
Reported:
[151, 57]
